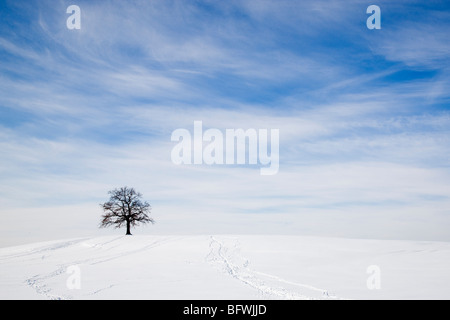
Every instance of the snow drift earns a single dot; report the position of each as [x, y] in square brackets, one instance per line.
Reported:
[225, 267]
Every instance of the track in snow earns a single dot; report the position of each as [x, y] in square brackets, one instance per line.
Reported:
[228, 259]
[39, 281]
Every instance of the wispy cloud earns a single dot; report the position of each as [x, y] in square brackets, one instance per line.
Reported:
[363, 114]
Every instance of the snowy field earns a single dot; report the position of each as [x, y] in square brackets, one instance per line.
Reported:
[225, 267]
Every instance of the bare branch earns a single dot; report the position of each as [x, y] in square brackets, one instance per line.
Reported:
[125, 207]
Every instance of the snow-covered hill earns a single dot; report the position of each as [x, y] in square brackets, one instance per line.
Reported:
[225, 267]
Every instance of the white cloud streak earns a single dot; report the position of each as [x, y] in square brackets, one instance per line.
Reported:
[356, 156]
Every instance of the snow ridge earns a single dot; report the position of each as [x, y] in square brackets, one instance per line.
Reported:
[224, 267]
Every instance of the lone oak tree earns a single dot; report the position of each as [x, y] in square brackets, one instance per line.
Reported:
[125, 207]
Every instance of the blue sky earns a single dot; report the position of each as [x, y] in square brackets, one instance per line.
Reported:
[363, 115]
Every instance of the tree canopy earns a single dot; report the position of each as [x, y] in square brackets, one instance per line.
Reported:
[125, 208]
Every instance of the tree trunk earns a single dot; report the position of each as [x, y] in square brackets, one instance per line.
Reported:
[128, 228]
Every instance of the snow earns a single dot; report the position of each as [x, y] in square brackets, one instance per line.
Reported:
[225, 267]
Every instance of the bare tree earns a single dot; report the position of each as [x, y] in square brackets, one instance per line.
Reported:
[125, 207]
